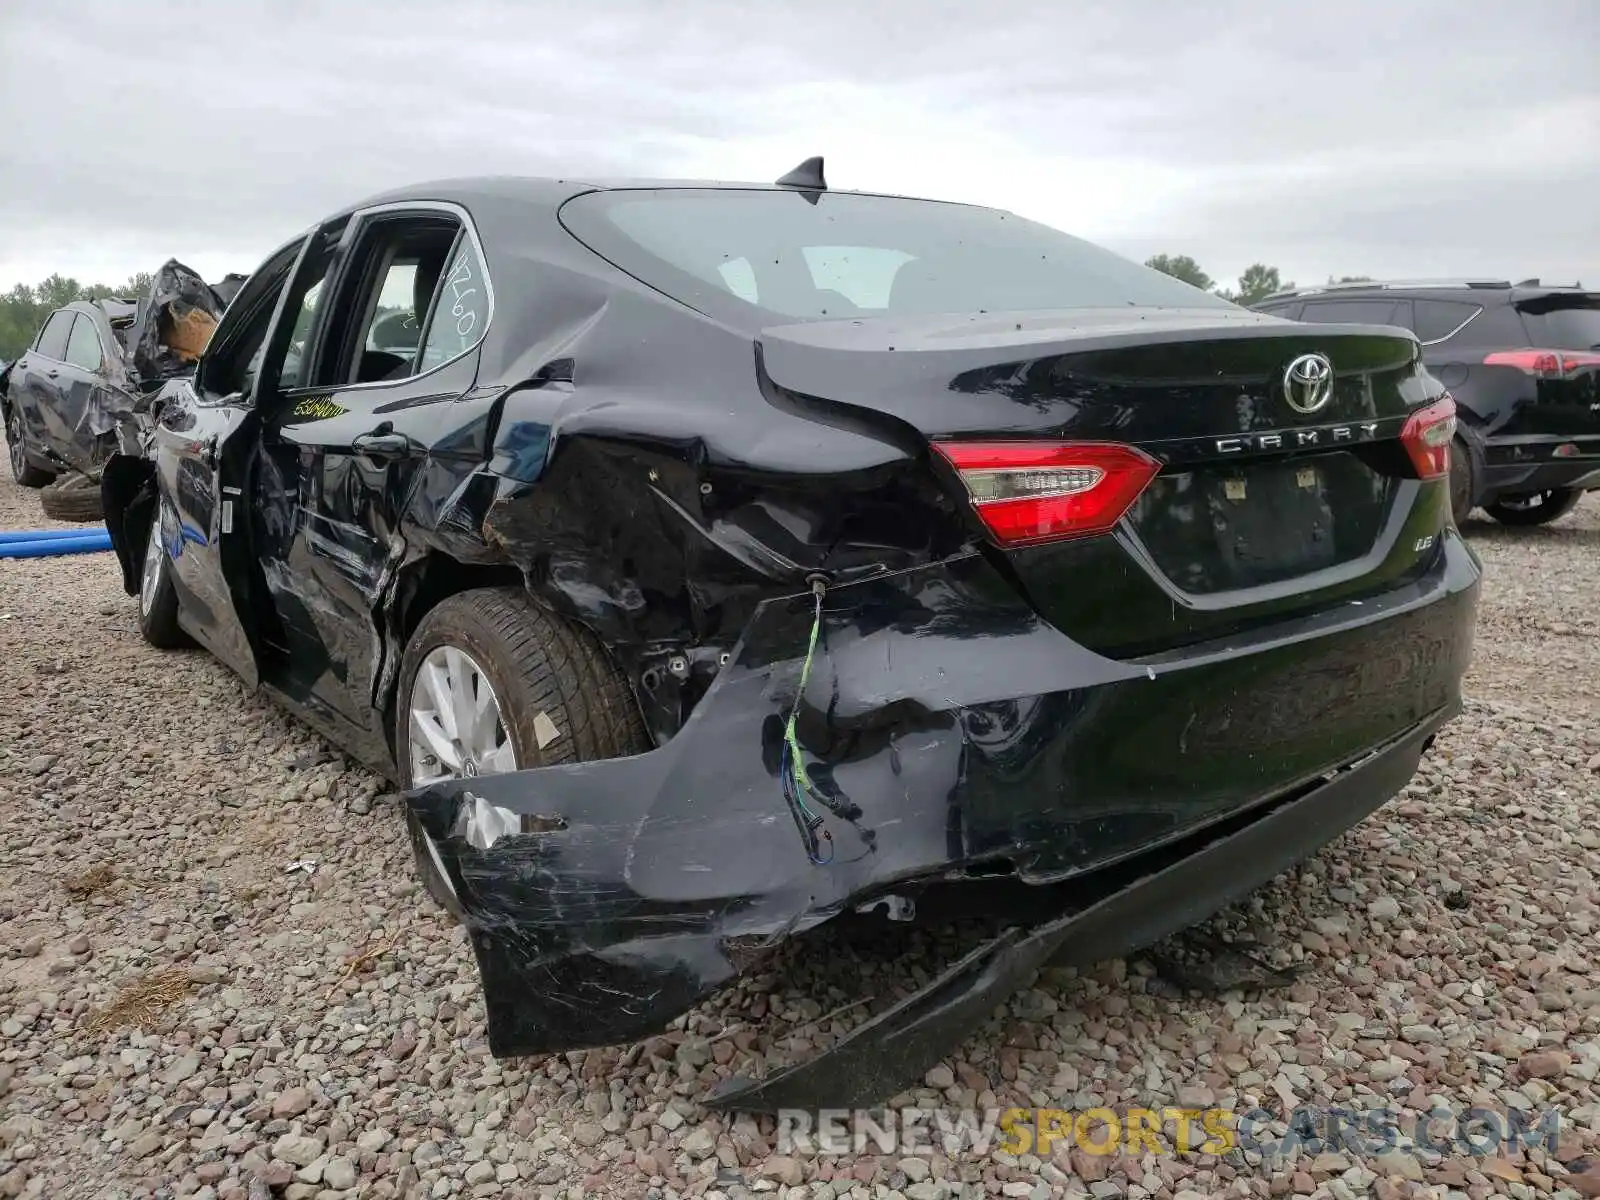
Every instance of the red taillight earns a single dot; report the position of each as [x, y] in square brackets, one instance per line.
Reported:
[1544, 364]
[1045, 491]
[1427, 435]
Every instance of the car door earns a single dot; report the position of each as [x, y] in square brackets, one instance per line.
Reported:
[199, 443]
[377, 424]
[34, 378]
[85, 407]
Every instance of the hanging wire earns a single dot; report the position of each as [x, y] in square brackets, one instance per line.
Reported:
[798, 789]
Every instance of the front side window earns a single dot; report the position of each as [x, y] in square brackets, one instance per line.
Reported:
[233, 356]
[845, 254]
[295, 360]
[306, 291]
[83, 345]
[52, 341]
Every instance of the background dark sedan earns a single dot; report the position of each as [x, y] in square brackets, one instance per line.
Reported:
[65, 395]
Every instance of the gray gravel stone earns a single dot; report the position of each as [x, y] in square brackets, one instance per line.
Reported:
[298, 1149]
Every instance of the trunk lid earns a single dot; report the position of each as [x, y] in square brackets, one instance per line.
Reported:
[1260, 509]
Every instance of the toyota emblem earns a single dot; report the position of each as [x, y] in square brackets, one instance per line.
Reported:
[1308, 382]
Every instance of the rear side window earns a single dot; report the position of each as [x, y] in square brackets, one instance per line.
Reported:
[1288, 312]
[1351, 312]
[1570, 322]
[52, 341]
[460, 307]
[807, 257]
[1435, 320]
[83, 346]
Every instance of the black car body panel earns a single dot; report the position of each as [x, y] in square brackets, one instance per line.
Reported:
[683, 474]
[1528, 431]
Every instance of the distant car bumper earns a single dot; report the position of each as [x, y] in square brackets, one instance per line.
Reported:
[1136, 797]
[1522, 465]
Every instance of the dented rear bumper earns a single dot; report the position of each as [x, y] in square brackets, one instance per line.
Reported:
[604, 899]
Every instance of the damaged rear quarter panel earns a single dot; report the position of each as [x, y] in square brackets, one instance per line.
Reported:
[645, 490]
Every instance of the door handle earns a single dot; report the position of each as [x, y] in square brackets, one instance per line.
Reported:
[381, 446]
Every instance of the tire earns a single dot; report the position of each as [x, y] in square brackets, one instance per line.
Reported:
[72, 499]
[544, 673]
[23, 471]
[1540, 508]
[158, 600]
[1463, 481]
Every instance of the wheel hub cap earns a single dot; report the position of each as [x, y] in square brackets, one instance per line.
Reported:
[456, 729]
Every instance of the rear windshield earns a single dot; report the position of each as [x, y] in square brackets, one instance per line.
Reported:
[765, 255]
[1563, 322]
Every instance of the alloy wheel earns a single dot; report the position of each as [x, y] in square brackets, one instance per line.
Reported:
[456, 727]
[14, 450]
[154, 559]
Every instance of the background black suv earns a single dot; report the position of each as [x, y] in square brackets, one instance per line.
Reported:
[1523, 363]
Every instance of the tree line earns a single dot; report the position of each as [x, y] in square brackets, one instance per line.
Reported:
[1256, 283]
[23, 309]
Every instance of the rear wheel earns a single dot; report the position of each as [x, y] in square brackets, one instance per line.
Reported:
[76, 498]
[1538, 508]
[23, 471]
[158, 602]
[1463, 481]
[491, 682]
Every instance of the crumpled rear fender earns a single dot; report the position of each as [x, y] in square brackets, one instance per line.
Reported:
[631, 887]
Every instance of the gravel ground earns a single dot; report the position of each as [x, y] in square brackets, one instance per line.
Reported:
[321, 1035]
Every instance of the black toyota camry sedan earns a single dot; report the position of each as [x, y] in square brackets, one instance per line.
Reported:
[725, 559]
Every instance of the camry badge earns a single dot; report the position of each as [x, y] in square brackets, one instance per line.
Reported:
[1308, 382]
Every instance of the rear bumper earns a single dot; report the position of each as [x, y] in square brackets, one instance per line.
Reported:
[1518, 466]
[1144, 902]
[975, 739]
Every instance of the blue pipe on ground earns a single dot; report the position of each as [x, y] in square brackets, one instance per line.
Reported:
[49, 535]
[49, 547]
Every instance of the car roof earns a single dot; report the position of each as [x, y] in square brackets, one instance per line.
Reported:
[113, 308]
[553, 192]
[1474, 290]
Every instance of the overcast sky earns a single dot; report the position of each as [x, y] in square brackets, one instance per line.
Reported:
[1375, 137]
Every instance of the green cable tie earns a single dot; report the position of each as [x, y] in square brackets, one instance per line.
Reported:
[801, 775]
